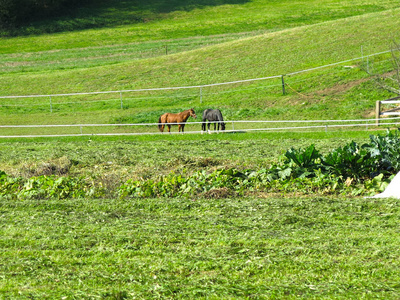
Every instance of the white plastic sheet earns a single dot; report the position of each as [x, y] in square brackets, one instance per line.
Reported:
[392, 190]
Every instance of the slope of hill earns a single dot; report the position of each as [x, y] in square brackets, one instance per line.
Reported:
[144, 20]
[236, 58]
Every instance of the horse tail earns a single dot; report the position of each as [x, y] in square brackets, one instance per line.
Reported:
[159, 123]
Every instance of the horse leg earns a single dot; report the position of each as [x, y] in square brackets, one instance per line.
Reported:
[169, 128]
[208, 127]
[183, 128]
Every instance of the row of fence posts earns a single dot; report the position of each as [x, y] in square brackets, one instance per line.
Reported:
[201, 95]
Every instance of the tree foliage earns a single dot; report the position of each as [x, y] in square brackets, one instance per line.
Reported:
[14, 13]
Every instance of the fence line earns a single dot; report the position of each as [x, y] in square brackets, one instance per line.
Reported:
[194, 86]
[326, 124]
[226, 121]
[187, 132]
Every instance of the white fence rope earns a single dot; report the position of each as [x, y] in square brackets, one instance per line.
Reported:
[192, 123]
[326, 124]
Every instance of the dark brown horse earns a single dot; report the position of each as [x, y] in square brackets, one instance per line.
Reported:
[180, 119]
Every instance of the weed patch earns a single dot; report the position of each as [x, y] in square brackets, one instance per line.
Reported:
[351, 169]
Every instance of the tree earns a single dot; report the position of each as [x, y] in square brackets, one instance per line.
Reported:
[16, 13]
[389, 81]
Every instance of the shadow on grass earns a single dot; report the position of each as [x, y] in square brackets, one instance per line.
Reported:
[109, 13]
[165, 6]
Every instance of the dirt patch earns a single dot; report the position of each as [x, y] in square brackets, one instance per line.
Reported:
[59, 166]
[219, 193]
[341, 88]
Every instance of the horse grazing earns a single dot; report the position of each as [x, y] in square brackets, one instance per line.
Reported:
[212, 115]
[180, 119]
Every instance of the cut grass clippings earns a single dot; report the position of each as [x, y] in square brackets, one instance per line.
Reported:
[292, 248]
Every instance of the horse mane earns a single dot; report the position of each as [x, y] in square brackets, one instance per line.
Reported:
[205, 114]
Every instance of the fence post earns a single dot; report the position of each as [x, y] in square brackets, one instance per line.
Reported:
[377, 112]
[362, 54]
[283, 85]
[51, 106]
[201, 94]
[120, 96]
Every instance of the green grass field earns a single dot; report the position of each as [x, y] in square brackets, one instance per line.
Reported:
[263, 245]
[263, 248]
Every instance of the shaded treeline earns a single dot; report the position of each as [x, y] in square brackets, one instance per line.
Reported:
[14, 13]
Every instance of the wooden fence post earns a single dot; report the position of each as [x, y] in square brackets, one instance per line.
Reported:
[377, 112]
[283, 85]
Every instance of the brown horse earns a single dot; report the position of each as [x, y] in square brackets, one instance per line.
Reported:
[180, 119]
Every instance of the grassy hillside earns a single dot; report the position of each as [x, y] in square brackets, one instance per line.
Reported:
[337, 92]
[130, 21]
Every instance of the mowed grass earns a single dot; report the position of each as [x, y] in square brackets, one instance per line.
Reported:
[236, 248]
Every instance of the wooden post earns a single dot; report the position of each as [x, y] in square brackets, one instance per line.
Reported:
[201, 94]
[51, 106]
[283, 85]
[377, 112]
[120, 97]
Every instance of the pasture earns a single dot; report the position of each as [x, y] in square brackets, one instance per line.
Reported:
[339, 92]
[297, 236]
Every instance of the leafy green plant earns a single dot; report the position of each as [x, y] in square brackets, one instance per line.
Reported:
[385, 151]
[305, 160]
[44, 187]
[349, 161]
